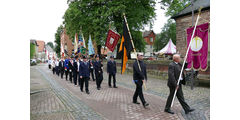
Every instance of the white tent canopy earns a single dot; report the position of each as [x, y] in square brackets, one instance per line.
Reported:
[170, 48]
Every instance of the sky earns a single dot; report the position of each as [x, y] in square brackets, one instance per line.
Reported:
[46, 16]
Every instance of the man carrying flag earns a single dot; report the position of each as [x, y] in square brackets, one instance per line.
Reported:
[139, 68]
[139, 76]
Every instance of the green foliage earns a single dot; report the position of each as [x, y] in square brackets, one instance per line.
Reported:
[50, 44]
[174, 6]
[168, 32]
[32, 50]
[94, 17]
[57, 40]
[138, 41]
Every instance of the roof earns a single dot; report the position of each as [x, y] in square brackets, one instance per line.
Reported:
[196, 5]
[41, 45]
[146, 33]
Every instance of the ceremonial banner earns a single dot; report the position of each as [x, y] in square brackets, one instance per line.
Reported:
[198, 52]
[76, 43]
[112, 40]
[80, 43]
[126, 46]
[90, 46]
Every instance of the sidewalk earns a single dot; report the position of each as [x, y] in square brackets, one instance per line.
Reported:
[116, 103]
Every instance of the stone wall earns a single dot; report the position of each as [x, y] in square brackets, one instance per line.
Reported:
[184, 22]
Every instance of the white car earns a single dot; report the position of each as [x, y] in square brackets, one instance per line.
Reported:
[33, 61]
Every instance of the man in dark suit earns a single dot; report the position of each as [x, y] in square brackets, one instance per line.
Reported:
[61, 67]
[75, 70]
[66, 67]
[139, 76]
[98, 72]
[111, 70]
[91, 68]
[84, 73]
[70, 65]
[174, 70]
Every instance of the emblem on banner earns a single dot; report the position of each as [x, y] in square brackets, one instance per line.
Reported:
[197, 44]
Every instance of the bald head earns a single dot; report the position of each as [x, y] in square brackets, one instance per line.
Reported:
[176, 58]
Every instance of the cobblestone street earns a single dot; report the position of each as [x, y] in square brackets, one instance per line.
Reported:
[54, 98]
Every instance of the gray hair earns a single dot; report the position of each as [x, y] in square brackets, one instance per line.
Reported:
[175, 56]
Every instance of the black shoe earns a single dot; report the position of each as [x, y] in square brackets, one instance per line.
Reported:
[110, 86]
[88, 92]
[169, 111]
[81, 90]
[145, 104]
[136, 102]
[115, 87]
[191, 110]
[98, 88]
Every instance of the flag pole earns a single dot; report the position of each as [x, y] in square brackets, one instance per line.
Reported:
[133, 48]
[199, 12]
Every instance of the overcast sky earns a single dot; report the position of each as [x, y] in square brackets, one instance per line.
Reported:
[46, 16]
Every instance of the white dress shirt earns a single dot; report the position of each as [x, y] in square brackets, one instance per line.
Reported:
[181, 75]
[57, 63]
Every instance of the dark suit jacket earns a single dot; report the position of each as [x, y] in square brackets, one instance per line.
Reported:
[97, 67]
[84, 70]
[111, 67]
[70, 65]
[137, 74]
[61, 65]
[75, 66]
[174, 73]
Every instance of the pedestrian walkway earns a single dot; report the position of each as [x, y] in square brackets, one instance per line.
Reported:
[111, 103]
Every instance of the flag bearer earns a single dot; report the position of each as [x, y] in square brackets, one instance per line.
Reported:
[139, 76]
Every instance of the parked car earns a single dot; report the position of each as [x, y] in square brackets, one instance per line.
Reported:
[33, 61]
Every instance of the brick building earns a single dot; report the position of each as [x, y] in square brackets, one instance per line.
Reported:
[67, 42]
[149, 37]
[41, 50]
[184, 20]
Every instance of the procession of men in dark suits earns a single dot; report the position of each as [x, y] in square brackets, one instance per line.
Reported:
[80, 70]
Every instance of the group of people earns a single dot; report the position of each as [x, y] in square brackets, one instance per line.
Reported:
[78, 70]
[81, 69]
[174, 70]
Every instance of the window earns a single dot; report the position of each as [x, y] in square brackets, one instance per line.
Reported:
[151, 39]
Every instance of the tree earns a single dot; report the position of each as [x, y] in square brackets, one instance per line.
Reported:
[58, 39]
[169, 29]
[174, 6]
[95, 17]
[50, 44]
[168, 32]
[32, 50]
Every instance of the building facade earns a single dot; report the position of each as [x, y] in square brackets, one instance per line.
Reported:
[41, 50]
[67, 44]
[184, 21]
[149, 37]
